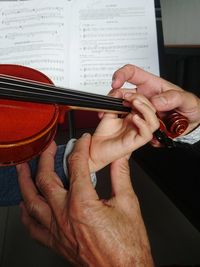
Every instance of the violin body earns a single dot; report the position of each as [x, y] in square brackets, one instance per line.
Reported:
[27, 128]
[31, 107]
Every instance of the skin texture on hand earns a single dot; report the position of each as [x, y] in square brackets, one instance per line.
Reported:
[116, 137]
[165, 96]
[86, 230]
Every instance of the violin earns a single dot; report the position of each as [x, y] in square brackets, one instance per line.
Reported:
[31, 107]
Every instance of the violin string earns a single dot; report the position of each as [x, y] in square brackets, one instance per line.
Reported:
[26, 96]
[57, 90]
[89, 102]
[107, 101]
[52, 98]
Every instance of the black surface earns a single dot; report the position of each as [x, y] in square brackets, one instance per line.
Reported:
[176, 172]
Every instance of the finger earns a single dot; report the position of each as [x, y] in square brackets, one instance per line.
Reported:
[108, 126]
[138, 135]
[80, 182]
[132, 74]
[145, 134]
[174, 99]
[36, 230]
[131, 97]
[49, 184]
[147, 113]
[35, 204]
[43, 235]
[53, 192]
[120, 177]
[121, 92]
[25, 181]
[46, 162]
[46, 178]
[142, 105]
[100, 115]
[115, 94]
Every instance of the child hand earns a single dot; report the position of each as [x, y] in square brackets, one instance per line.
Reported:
[116, 137]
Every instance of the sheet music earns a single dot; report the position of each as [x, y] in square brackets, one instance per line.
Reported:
[34, 34]
[107, 35]
[76, 43]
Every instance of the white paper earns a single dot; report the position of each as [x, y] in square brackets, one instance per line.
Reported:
[79, 44]
[107, 35]
[34, 34]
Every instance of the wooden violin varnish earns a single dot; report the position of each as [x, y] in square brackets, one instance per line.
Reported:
[171, 126]
[31, 107]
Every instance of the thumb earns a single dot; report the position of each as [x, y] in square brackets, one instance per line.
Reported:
[80, 180]
[173, 99]
[120, 177]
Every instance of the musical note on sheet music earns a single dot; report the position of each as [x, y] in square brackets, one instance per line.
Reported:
[79, 44]
[111, 34]
[33, 34]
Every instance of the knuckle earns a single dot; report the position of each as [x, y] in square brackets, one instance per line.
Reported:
[32, 208]
[156, 125]
[44, 184]
[80, 212]
[130, 201]
[128, 66]
[73, 158]
[40, 179]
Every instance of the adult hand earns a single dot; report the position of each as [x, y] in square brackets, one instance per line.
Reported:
[86, 230]
[116, 137]
[165, 96]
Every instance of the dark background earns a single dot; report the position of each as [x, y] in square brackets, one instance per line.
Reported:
[176, 171]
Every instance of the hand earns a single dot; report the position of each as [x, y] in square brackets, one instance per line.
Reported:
[86, 230]
[116, 137]
[165, 96]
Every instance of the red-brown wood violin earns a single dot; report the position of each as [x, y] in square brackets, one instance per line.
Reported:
[31, 106]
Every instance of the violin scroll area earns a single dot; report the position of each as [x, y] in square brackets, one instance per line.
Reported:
[171, 127]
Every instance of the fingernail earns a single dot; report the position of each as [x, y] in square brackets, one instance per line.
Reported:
[85, 134]
[100, 115]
